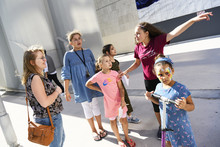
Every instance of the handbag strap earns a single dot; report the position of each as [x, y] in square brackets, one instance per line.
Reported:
[48, 111]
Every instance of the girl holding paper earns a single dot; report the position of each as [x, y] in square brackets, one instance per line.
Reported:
[111, 51]
[111, 86]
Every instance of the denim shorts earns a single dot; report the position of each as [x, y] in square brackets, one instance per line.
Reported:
[59, 135]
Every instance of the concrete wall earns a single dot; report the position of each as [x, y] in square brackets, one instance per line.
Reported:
[117, 20]
[164, 10]
[44, 22]
[25, 23]
[197, 30]
[68, 15]
[8, 77]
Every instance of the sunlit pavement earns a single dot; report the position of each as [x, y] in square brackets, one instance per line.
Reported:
[205, 119]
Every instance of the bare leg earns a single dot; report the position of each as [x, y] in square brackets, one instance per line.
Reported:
[168, 144]
[98, 119]
[115, 129]
[92, 125]
[124, 124]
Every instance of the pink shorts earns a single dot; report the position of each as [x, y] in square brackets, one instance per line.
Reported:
[124, 115]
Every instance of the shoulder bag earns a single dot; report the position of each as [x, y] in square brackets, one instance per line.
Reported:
[38, 133]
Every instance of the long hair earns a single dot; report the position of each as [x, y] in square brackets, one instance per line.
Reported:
[106, 48]
[28, 68]
[153, 31]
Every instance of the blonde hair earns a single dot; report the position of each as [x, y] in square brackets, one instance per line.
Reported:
[28, 68]
[99, 61]
[71, 34]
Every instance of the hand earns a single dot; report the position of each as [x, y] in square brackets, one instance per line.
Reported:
[148, 95]
[127, 75]
[58, 90]
[202, 17]
[67, 96]
[122, 74]
[181, 103]
[123, 104]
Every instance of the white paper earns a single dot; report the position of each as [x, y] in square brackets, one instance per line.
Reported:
[125, 80]
[120, 112]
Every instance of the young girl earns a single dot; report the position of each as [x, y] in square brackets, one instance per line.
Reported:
[150, 42]
[177, 118]
[111, 51]
[79, 66]
[113, 92]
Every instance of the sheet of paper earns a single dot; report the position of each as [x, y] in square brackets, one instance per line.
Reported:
[120, 112]
[125, 80]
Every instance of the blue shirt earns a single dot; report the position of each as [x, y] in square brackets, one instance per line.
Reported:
[74, 70]
[176, 119]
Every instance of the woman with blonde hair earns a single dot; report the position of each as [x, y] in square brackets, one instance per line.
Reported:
[78, 67]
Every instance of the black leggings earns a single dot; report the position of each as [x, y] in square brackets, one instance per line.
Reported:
[150, 85]
[55, 79]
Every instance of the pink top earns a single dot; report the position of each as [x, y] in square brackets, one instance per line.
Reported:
[109, 87]
[148, 53]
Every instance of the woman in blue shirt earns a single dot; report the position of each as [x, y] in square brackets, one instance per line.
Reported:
[79, 66]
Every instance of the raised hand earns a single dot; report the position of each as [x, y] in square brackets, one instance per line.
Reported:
[203, 16]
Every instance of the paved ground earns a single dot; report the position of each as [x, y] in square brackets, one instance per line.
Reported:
[205, 123]
[205, 87]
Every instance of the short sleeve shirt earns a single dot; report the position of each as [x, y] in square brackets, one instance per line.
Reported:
[147, 54]
[176, 119]
[109, 87]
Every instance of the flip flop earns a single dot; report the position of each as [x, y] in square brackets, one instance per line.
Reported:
[122, 144]
[96, 136]
[103, 133]
[131, 143]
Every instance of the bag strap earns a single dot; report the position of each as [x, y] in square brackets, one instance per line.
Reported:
[48, 111]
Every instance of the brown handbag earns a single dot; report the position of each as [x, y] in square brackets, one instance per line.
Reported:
[38, 133]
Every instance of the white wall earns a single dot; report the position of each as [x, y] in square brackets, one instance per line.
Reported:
[8, 78]
[28, 22]
[117, 20]
[68, 15]
[25, 23]
[168, 9]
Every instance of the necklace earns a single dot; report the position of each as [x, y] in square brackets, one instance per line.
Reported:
[84, 62]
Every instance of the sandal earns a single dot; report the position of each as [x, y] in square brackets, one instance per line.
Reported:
[131, 143]
[96, 136]
[103, 133]
[122, 144]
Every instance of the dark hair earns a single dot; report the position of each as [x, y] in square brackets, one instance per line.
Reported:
[45, 52]
[153, 31]
[106, 48]
[162, 62]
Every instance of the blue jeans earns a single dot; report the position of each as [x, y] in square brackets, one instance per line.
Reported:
[59, 135]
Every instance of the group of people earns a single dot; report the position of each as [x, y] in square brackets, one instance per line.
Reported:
[90, 81]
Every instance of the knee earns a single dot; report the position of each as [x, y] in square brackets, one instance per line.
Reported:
[124, 121]
[113, 122]
[168, 144]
